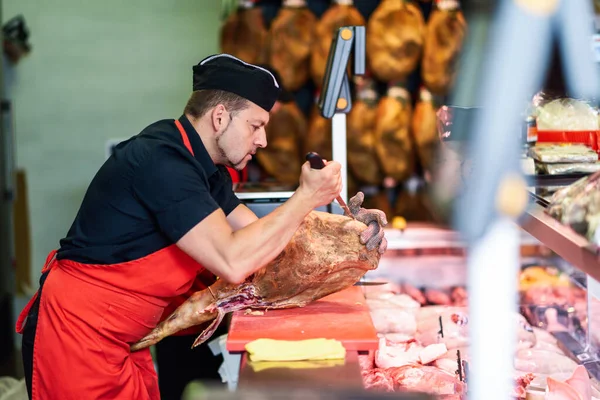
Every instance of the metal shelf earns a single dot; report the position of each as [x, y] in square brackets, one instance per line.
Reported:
[571, 246]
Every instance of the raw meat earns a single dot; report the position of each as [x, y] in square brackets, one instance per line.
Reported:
[425, 379]
[324, 256]
[414, 293]
[453, 331]
[281, 159]
[577, 387]
[460, 297]
[435, 296]
[424, 129]
[446, 364]
[366, 361]
[396, 338]
[318, 138]
[289, 43]
[392, 302]
[397, 355]
[393, 321]
[395, 36]
[446, 30]
[362, 158]
[432, 353]
[392, 134]
[521, 383]
[244, 35]
[340, 13]
[377, 380]
[542, 362]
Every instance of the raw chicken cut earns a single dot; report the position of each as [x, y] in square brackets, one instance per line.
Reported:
[324, 256]
[393, 302]
[577, 387]
[289, 43]
[397, 355]
[340, 13]
[542, 362]
[281, 159]
[393, 143]
[425, 379]
[446, 30]
[244, 35]
[449, 325]
[396, 321]
[395, 36]
[521, 383]
[362, 118]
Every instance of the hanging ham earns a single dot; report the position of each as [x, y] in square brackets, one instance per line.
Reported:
[392, 134]
[289, 41]
[424, 128]
[318, 138]
[446, 30]
[340, 13]
[395, 35]
[281, 159]
[243, 34]
[362, 158]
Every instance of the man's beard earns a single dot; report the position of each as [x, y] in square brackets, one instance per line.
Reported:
[229, 161]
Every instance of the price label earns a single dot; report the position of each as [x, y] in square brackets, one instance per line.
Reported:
[596, 47]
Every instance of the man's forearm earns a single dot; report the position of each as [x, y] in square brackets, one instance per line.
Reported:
[260, 242]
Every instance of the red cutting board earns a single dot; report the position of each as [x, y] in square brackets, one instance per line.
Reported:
[343, 316]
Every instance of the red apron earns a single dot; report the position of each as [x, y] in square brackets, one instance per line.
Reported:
[90, 314]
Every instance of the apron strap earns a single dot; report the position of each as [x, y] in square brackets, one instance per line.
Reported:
[184, 136]
[20, 326]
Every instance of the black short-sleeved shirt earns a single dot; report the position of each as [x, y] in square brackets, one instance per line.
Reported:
[146, 196]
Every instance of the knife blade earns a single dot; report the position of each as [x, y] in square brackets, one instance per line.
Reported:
[316, 162]
[363, 283]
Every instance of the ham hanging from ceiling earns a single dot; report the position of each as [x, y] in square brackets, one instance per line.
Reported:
[424, 128]
[243, 34]
[395, 35]
[289, 43]
[281, 159]
[446, 30]
[340, 13]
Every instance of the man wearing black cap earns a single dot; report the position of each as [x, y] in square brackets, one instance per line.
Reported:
[159, 220]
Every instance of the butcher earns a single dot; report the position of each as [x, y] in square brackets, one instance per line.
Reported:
[159, 217]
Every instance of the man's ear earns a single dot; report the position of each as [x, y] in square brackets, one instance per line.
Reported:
[217, 117]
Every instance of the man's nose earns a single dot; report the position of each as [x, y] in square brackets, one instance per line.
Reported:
[261, 140]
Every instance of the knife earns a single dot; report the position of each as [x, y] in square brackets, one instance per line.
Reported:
[316, 162]
[364, 283]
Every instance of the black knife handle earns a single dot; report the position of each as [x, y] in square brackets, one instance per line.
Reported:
[315, 160]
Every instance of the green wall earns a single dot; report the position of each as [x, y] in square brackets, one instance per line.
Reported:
[98, 70]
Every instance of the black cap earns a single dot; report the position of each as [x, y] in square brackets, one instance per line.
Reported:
[284, 95]
[228, 73]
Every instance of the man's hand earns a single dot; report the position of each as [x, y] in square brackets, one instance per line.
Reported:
[375, 220]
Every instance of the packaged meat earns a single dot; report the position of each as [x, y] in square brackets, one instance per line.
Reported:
[289, 42]
[424, 128]
[542, 362]
[243, 34]
[340, 13]
[281, 159]
[567, 114]
[426, 379]
[563, 153]
[444, 37]
[567, 168]
[393, 143]
[362, 158]
[395, 35]
[397, 321]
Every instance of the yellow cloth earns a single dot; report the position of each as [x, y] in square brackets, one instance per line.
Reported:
[284, 350]
[258, 366]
